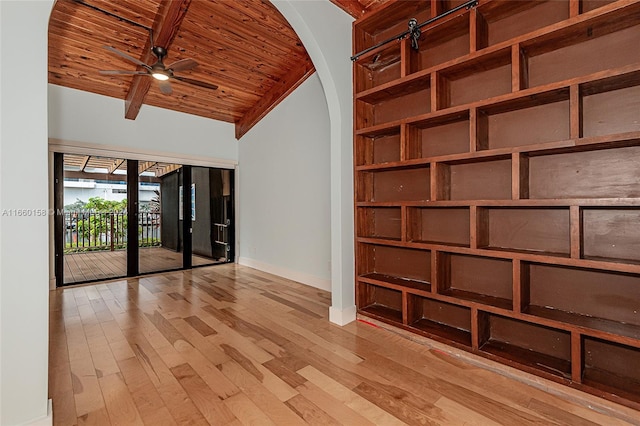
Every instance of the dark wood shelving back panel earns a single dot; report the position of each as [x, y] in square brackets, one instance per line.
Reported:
[396, 185]
[599, 294]
[448, 225]
[378, 149]
[416, 100]
[435, 139]
[380, 222]
[607, 365]
[440, 319]
[380, 301]
[589, 5]
[398, 262]
[504, 20]
[538, 230]
[595, 54]
[476, 275]
[528, 126]
[382, 68]
[389, 22]
[611, 112]
[608, 173]
[611, 234]
[486, 78]
[528, 344]
[441, 44]
[486, 180]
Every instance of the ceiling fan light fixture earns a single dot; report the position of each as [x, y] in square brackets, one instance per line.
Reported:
[160, 76]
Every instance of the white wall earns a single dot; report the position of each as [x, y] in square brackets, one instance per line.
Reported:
[330, 48]
[80, 116]
[285, 189]
[24, 274]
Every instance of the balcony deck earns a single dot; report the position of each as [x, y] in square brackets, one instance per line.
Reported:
[99, 265]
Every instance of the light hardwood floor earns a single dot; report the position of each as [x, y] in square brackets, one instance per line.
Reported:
[231, 345]
[101, 265]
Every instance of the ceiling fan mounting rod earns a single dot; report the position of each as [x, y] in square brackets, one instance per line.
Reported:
[118, 17]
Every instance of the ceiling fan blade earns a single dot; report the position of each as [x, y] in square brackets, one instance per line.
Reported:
[195, 82]
[183, 65]
[122, 72]
[127, 57]
[165, 87]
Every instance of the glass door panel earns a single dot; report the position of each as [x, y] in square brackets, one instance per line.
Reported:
[159, 221]
[95, 218]
[210, 218]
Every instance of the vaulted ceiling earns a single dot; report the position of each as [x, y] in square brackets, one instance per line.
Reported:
[358, 8]
[245, 47]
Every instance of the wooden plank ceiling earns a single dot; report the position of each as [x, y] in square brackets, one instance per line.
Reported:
[358, 8]
[109, 166]
[245, 47]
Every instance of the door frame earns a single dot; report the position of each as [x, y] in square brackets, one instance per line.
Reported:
[60, 146]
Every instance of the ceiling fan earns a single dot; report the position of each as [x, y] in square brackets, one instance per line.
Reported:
[161, 72]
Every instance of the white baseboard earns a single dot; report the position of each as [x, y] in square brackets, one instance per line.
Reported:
[342, 316]
[44, 421]
[301, 277]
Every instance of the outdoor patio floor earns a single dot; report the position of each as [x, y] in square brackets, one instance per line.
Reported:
[99, 265]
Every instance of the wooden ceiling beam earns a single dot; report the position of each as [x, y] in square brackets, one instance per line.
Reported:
[273, 97]
[165, 28]
[145, 165]
[167, 169]
[84, 163]
[115, 166]
[111, 178]
[352, 7]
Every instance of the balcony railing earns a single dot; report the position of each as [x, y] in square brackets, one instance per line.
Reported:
[88, 231]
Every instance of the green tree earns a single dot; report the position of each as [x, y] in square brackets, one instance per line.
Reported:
[76, 206]
[97, 220]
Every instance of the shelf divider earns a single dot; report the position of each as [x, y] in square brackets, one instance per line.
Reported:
[575, 219]
[520, 286]
[478, 31]
[405, 134]
[517, 70]
[574, 8]
[575, 111]
[576, 357]
[519, 176]
[405, 53]
[404, 218]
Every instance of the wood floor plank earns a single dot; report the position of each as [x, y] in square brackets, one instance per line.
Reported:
[145, 396]
[212, 352]
[349, 398]
[274, 409]
[202, 396]
[200, 326]
[246, 411]
[170, 390]
[329, 404]
[118, 400]
[310, 412]
[232, 345]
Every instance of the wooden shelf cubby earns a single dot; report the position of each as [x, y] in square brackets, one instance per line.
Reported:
[497, 183]
[537, 230]
[440, 320]
[439, 225]
[533, 346]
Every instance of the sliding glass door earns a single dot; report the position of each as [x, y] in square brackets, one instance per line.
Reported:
[119, 217]
[95, 218]
[159, 247]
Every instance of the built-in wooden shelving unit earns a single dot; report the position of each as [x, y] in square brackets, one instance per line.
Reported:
[497, 184]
